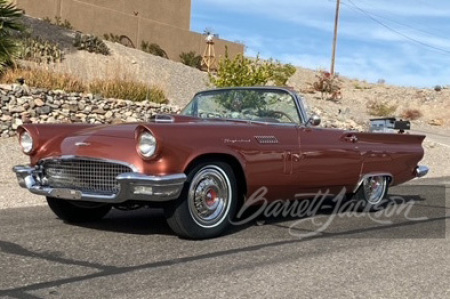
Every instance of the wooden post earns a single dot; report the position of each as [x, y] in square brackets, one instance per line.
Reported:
[336, 24]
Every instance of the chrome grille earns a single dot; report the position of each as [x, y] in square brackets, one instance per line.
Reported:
[97, 177]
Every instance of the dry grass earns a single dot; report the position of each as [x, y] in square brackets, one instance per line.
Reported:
[129, 90]
[411, 114]
[44, 79]
[110, 88]
[381, 108]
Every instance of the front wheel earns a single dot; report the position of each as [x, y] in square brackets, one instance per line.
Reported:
[72, 211]
[371, 195]
[207, 202]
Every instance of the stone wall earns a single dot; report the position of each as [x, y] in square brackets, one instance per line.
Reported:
[21, 105]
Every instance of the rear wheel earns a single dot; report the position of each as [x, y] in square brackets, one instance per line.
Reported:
[207, 203]
[72, 211]
[371, 195]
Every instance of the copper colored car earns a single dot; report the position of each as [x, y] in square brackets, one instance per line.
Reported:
[204, 163]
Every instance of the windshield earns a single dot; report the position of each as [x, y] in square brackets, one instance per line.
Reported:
[264, 105]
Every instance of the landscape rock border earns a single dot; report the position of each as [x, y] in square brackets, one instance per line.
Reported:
[20, 105]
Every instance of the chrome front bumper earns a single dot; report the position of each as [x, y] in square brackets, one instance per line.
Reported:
[133, 186]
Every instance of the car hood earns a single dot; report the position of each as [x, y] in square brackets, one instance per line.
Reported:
[127, 130]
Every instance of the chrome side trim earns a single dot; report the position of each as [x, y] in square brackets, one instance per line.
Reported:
[267, 139]
[164, 188]
[421, 171]
[361, 180]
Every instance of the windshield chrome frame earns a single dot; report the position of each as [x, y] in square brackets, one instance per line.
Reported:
[298, 100]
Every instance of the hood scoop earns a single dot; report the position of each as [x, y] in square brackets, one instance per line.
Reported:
[162, 118]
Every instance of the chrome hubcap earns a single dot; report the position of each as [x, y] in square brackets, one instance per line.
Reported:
[374, 189]
[209, 196]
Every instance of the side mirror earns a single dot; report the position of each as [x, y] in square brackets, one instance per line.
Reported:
[314, 120]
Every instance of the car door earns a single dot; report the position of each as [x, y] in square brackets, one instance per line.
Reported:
[270, 161]
[329, 160]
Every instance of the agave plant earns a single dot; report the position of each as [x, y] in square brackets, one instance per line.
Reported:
[9, 24]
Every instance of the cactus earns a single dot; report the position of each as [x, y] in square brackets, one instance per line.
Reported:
[37, 50]
[90, 43]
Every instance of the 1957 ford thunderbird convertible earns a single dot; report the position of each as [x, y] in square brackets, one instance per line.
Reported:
[202, 164]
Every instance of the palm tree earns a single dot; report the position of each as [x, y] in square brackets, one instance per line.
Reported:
[9, 24]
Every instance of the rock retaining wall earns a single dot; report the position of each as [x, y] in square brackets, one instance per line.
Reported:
[21, 105]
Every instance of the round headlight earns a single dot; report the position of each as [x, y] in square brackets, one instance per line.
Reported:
[26, 142]
[147, 144]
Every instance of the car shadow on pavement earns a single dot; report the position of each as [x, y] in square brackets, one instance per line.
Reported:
[144, 221]
[149, 221]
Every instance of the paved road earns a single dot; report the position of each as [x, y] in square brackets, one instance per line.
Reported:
[443, 137]
[135, 255]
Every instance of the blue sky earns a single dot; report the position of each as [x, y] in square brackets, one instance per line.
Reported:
[404, 42]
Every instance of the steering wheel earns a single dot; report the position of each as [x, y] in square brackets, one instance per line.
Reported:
[281, 113]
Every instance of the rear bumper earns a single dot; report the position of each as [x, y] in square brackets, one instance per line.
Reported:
[421, 171]
[133, 186]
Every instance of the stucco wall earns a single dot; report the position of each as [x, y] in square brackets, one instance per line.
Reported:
[164, 22]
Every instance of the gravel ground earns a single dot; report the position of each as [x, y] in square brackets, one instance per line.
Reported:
[12, 195]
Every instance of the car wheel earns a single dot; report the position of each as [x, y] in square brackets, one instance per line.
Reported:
[72, 211]
[371, 195]
[207, 202]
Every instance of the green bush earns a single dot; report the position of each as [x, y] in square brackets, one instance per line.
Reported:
[191, 59]
[242, 71]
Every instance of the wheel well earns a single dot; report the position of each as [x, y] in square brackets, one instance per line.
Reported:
[232, 161]
[389, 177]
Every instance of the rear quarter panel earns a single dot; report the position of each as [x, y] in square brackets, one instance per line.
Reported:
[397, 154]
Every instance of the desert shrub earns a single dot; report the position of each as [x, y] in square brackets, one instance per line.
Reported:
[381, 108]
[154, 49]
[37, 50]
[130, 90]
[191, 59]
[90, 43]
[242, 71]
[44, 79]
[111, 37]
[64, 24]
[411, 114]
[120, 39]
[112, 88]
[328, 84]
[59, 22]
